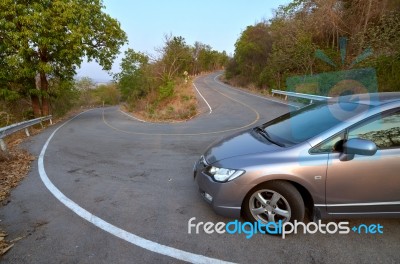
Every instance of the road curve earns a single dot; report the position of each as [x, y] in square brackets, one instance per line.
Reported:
[137, 177]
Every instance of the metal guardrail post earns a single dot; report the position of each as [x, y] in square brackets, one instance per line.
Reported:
[3, 145]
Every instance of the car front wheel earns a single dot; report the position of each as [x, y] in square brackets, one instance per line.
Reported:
[274, 201]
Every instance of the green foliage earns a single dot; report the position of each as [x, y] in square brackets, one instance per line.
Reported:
[166, 90]
[251, 53]
[50, 38]
[205, 59]
[91, 95]
[388, 68]
[9, 95]
[271, 51]
[176, 57]
[63, 96]
[159, 79]
[134, 80]
[384, 35]
[84, 84]
[107, 94]
[185, 97]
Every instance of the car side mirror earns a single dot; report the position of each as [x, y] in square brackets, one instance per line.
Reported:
[358, 146]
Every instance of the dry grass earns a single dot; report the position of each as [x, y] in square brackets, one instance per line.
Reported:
[181, 106]
[14, 165]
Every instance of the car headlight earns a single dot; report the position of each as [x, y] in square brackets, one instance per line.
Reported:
[222, 174]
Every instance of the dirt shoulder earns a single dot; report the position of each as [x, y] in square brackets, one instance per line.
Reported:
[14, 166]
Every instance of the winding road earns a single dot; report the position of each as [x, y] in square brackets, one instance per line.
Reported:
[108, 188]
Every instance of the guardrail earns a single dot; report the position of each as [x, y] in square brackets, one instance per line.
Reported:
[310, 97]
[8, 130]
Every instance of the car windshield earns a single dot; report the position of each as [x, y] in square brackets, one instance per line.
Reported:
[301, 125]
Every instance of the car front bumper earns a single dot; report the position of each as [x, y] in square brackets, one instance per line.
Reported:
[225, 198]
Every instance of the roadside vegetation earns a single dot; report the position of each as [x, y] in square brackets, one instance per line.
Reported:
[42, 45]
[269, 52]
[159, 87]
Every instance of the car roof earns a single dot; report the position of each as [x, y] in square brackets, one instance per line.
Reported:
[372, 99]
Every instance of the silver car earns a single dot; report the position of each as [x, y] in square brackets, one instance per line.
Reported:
[332, 159]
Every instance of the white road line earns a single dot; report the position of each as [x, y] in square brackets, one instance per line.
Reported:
[262, 97]
[114, 230]
[131, 116]
[203, 98]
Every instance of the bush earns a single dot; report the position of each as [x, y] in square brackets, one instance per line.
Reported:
[107, 94]
[63, 97]
[166, 90]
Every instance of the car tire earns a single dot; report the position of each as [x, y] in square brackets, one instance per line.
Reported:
[273, 201]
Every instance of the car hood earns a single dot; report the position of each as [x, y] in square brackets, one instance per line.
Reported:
[248, 142]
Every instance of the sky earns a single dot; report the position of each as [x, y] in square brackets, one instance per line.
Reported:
[217, 23]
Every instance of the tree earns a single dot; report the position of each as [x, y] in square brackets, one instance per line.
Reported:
[302, 27]
[84, 84]
[252, 50]
[198, 47]
[175, 58]
[133, 80]
[207, 59]
[44, 39]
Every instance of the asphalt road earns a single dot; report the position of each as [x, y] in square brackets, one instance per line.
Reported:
[137, 178]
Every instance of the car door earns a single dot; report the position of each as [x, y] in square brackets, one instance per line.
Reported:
[367, 185]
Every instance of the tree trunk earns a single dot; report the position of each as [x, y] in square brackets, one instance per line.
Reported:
[36, 105]
[367, 16]
[44, 87]
[35, 99]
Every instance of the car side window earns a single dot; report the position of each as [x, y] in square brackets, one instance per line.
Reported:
[383, 130]
[330, 145]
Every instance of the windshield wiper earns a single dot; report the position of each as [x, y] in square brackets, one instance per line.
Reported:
[265, 134]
